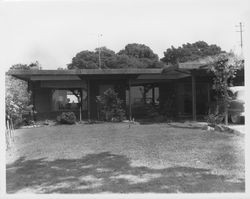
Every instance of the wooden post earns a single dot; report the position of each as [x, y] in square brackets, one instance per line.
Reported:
[80, 114]
[153, 95]
[129, 100]
[193, 97]
[226, 103]
[88, 99]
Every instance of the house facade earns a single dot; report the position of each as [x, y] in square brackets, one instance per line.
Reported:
[178, 92]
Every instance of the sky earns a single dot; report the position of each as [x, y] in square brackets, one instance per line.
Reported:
[52, 32]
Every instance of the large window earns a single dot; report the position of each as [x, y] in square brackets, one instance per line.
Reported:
[141, 95]
[68, 100]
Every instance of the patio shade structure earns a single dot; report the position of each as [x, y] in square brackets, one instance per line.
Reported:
[192, 72]
[134, 77]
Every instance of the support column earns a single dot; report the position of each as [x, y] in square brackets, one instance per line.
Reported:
[88, 99]
[153, 94]
[80, 108]
[129, 100]
[193, 97]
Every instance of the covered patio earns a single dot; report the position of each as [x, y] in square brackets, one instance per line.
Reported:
[181, 90]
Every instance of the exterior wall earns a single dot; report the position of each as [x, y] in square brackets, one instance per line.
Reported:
[167, 98]
[42, 99]
[176, 97]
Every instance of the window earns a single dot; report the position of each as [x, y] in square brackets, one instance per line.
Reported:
[137, 95]
[67, 100]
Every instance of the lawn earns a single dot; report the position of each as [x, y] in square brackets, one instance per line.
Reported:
[118, 158]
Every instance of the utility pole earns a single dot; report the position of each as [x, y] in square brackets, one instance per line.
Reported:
[99, 50]
[241, 40]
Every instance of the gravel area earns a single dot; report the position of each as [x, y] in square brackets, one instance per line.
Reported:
[123, 158]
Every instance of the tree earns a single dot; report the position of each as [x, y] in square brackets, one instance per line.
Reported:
[224, 68]
[84, 60]
[110, 106]
[139, 51]
[32, 66]
[17, 97]
[133, 56]
[190, 52]
[144, 55]
[107, 56]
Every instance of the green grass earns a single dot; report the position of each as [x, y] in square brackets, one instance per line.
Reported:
[115, 158]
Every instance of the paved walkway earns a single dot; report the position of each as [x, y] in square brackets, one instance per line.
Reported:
[239, 128]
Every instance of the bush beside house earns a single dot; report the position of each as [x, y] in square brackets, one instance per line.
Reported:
[110, 106]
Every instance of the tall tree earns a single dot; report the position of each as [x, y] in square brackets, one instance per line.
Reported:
[139, 51]
[190, 52]
[84, 59]
[133, 56]
[144, 54]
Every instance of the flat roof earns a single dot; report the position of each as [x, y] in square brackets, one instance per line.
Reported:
[122, 71]
[177, 71]
[134, 73]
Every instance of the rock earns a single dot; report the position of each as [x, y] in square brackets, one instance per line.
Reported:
[205, 127]
[209, 128]
[219, 128]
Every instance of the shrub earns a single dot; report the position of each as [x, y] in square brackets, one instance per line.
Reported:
[214, 119]
[67, 118]
[110, 106]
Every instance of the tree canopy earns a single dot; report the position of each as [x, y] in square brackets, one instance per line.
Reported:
[190, 52]
[132, 56]
[32, 66]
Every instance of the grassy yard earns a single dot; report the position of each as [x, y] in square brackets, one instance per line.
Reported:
[113, 158]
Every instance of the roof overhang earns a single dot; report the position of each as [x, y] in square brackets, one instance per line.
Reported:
[139, 74]
[36, 75]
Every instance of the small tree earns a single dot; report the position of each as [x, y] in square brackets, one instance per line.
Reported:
[17, 98]
[224, 68]
[110, 106]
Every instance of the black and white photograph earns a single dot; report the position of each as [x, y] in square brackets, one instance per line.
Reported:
[106, 97]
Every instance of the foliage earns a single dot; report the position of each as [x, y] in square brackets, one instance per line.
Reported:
[144, 55]
[139, 51]
[133, 56]
[84, 59]
[32, 66]
[224, 68]
[110, 106]
[17, 98]
[67, 118]
[214, 119]
[190, 52]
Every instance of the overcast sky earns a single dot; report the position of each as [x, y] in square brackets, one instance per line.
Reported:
[53, 32]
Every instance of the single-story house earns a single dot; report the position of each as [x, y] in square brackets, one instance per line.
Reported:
[181, 91]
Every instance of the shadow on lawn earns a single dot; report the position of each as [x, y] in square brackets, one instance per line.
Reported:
[105, 172]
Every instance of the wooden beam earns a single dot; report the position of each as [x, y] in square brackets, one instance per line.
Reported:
[194, 97]
[88, 99]
[153, 94]
[129, 100]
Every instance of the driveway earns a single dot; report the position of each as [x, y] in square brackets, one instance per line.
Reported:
[118, 158]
